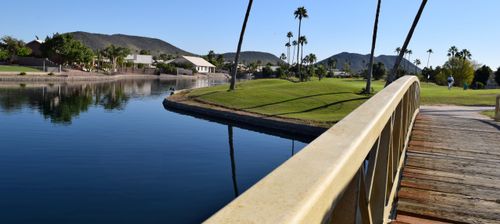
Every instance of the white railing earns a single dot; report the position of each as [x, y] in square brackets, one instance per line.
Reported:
[349, 174]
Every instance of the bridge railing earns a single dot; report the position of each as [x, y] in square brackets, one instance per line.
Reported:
[350, 174]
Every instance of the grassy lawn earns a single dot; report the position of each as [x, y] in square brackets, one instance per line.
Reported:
[14, 68]
[322, 102]
[489, 113]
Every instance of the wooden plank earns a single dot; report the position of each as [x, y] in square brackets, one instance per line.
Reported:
[452, 171]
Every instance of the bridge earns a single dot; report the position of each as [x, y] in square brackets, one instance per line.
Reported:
[390, 160]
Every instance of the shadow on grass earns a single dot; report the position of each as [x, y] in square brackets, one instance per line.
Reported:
[323, 107]
[204, 94]
[298, 98]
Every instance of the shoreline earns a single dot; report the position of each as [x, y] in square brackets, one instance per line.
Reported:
[68, 77]
[181, 104]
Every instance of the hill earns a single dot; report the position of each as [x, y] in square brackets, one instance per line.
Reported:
[247, 57]
[359, 61]
[134, 43]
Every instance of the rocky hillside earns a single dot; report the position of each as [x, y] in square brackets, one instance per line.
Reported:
[134, 43]
[247, 57]
[358, 61]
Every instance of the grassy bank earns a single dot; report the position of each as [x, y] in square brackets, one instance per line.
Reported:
[15, 68]
[325, 101]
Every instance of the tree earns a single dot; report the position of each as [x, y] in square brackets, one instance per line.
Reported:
[14, 47]
[429, 57]
[374, 42]
[288, 45]
[4, 55]
[398, 50]
[114, 54]
[238, 51]
[482, 75]
[321, 71]
[220, 60]
[300, 13]
[464, 54]
[378, 70]
[417, 62]
[294, 44]
[283, 56]
[461, 70]
[302, 42]
[211, 56]
[394, 70]
[64, 49]
[145, 52]
[497, 76]
[312, 59]
[452, 52]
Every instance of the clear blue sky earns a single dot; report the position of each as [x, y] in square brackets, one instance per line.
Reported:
[333, 27]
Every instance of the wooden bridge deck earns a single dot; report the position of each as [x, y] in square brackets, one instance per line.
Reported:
[452, 170]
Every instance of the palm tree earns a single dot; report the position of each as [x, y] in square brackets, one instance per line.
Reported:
[429, 57]
[398, 50]
[417, 62]
[453, 51]
[294, 43]
[300, 13]
[409, 52]
[240, 42]
[283, 56]
[464, 54]
[233, 162]
[302, 42]
[374, 42]
[391, 76]
[288, 45]
[312, 58]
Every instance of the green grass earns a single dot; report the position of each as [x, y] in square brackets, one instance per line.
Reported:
[322, 102]
[14, 68]
[433, 94]
[489, 113]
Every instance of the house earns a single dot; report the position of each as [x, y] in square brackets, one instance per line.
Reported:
[35, 47]
[200, 64]
[140, 59]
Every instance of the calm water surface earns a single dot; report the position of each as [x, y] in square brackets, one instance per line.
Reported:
[111, 153]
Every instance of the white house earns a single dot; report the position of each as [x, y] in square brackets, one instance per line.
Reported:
[140, 59]
[200, 64]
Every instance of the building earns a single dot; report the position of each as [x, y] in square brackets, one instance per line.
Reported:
[200, 64]
[140, 59]
[35, 47]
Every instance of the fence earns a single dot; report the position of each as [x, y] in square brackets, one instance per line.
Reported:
[42, 64]
[349, 174]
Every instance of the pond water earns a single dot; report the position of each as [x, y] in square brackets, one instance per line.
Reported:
[111, 153]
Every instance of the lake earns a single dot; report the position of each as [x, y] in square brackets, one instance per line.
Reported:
[94, 152]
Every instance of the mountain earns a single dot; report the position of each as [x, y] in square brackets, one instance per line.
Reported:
[134, 43]
[359, 61]
[247, 57]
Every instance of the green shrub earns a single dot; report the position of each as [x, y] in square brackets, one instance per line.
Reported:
[22, 73]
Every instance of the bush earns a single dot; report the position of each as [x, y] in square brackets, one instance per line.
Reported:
[50, 74]
[22, 73]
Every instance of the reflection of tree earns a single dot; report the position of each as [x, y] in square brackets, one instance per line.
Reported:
[233, 164]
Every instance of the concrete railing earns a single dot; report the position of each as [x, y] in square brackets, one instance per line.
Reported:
[350, 174]
[497, 109]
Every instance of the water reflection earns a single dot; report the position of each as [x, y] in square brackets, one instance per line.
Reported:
[61, 102]
[233, 164]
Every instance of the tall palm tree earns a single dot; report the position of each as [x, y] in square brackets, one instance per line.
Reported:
[240, 42]
[391, 76]
[464, 54]
[289, 44]
[294, 44]
[429, 57]
[409, 52]
[374, 42]
[300, 13]
[312, 59]
[417, 62]
[302, 42]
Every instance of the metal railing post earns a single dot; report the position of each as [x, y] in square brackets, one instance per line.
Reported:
[497, 109]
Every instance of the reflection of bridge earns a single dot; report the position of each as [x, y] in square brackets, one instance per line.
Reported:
[384, 162]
